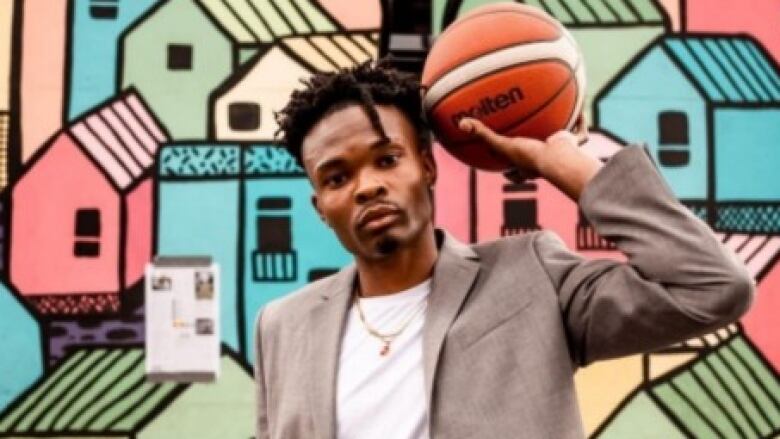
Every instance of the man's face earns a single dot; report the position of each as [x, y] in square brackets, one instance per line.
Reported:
[374, 194]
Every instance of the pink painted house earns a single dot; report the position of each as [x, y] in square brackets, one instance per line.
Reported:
[486, 206]
[81, 218]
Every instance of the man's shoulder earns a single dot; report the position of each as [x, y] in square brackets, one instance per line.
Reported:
[507, 247]
[296, 305]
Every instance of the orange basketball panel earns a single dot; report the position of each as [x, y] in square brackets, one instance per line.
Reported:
[488, 29]
[551, 118]
[501, 99]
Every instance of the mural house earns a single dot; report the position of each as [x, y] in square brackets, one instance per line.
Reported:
[243, 106]
[93, 40]
[181, 50]
[712, 125]
[248, 206]
[84, 254]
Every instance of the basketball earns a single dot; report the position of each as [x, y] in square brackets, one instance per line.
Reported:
[510, 65]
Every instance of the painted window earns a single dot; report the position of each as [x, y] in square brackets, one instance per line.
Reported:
[103, 9]
[519, 216]
[179, 57]
[274, 259]
[244, 116]
[673, 139]
[87, 241]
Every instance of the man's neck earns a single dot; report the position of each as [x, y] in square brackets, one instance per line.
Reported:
[407, 267]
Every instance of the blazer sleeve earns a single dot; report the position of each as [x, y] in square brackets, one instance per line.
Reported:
[261, 427]
[679, 280]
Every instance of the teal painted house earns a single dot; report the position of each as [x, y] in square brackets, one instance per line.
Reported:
[20, 337]
[248, 206]
[708, 109]
[95, 29]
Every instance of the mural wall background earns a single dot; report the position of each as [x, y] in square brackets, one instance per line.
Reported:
[130, 128]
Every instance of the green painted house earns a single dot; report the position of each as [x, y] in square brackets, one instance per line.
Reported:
[179, 51]
[609, 32]
[728, 392]
[97, 393]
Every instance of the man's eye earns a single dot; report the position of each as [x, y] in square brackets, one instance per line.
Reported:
[335, 180]
[387, 160]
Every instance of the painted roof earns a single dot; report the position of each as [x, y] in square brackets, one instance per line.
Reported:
[263, 21]
[728, 392]
[98, 391]
[728, 69]
[758, 252]
[326, 53]
[574, 13]
[225, 160]
[101, 390]
[121, 136]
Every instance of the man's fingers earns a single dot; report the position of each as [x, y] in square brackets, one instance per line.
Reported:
[479, 129]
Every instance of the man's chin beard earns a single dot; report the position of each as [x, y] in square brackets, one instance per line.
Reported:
[386, 245]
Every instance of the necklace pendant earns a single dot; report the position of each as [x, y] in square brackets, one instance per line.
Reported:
[385, 349]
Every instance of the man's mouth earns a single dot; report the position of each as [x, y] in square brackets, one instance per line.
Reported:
[378, 217]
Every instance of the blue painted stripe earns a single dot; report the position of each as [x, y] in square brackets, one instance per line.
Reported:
[768, 69]
[744, 50]
[685, 56]
[713, 70]
[727, 46]
[744, 88]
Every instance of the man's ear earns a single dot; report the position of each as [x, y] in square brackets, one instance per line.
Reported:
[429, 166]
[317, 208]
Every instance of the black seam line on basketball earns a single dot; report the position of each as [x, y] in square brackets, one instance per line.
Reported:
[555, 60]
[495, 49]
[511, 66]
[528, 116]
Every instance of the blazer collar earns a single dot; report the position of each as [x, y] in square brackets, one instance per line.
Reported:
[454, 274]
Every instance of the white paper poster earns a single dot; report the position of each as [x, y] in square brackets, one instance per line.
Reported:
[182, 326]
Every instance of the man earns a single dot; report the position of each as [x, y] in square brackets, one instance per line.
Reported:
[424, 336]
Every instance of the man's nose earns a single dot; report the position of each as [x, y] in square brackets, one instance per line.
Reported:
[369, 188]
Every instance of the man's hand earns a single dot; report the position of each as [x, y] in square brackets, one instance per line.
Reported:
[558, 159]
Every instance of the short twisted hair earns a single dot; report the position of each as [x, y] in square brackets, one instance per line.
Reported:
[367, 85]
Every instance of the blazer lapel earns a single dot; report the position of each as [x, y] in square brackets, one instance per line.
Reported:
[454, 274]
[327, 324]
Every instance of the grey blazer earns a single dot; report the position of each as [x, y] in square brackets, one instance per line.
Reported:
[509, 321]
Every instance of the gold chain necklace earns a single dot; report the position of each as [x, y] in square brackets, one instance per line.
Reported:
[386, 339]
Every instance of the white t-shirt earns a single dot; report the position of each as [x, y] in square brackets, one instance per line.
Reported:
[383, 397]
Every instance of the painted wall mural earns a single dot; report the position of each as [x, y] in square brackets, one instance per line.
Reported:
[134, 128]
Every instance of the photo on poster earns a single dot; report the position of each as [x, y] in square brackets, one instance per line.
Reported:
[204, 285]
[161, 282]
[204, 326]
